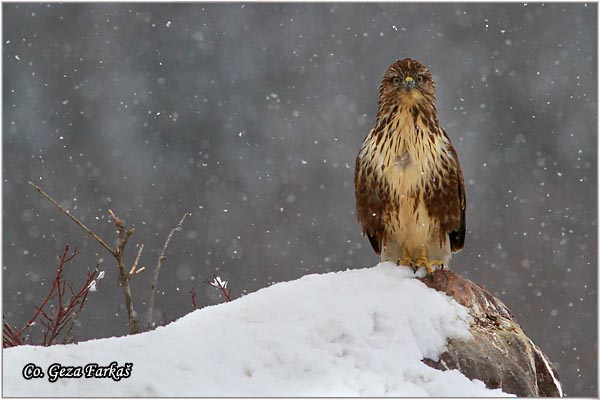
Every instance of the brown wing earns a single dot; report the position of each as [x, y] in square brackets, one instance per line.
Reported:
[457, 236]
[369, 202]
[458, 229]
[446, 202]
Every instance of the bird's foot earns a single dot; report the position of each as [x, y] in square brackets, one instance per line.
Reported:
[428, 264]
[424, 261]
[406, 259]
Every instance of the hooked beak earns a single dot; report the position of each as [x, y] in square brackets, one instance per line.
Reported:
[409, 83]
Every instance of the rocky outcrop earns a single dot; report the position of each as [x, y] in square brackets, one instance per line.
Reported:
[500, 354]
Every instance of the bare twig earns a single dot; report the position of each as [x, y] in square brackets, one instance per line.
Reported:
[40, 309]
[71, 310]
[159, 264]
[118, 253]
[68, 214]
[58, 316]
[124, 277]
[10, 336]
[193, 295]
[134, 270]
[88, 284]
[63, 313]
[221, 285]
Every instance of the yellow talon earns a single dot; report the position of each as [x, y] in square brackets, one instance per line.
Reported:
[406, 259]
[424, 261]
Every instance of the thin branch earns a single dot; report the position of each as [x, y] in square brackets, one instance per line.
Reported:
[217, 283]
[74, 219]
[57, 316]
[134, 270]
[193, 295]
[85, 290]
[10, 336]
[118, 253]
[40, 309]
[124, 235]
[159, 264]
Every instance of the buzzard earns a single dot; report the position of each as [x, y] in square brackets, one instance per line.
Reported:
[409, 187]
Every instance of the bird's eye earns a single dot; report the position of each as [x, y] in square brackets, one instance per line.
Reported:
[396, 80]
[420, 78]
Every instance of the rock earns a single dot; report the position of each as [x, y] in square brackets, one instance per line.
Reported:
[500, 354]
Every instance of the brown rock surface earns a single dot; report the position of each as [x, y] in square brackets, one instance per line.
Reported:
[500, 354]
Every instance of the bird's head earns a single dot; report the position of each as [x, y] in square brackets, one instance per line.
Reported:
[407, 81]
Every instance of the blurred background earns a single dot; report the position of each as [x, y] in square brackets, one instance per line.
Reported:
[250, 116]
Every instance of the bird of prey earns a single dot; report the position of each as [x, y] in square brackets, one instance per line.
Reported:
[409, 186]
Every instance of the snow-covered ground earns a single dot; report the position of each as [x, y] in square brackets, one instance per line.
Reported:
[352, 333]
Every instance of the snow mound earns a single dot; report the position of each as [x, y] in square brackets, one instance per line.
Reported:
[353, 333]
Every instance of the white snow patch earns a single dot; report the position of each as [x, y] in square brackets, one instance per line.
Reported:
[353, 333]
